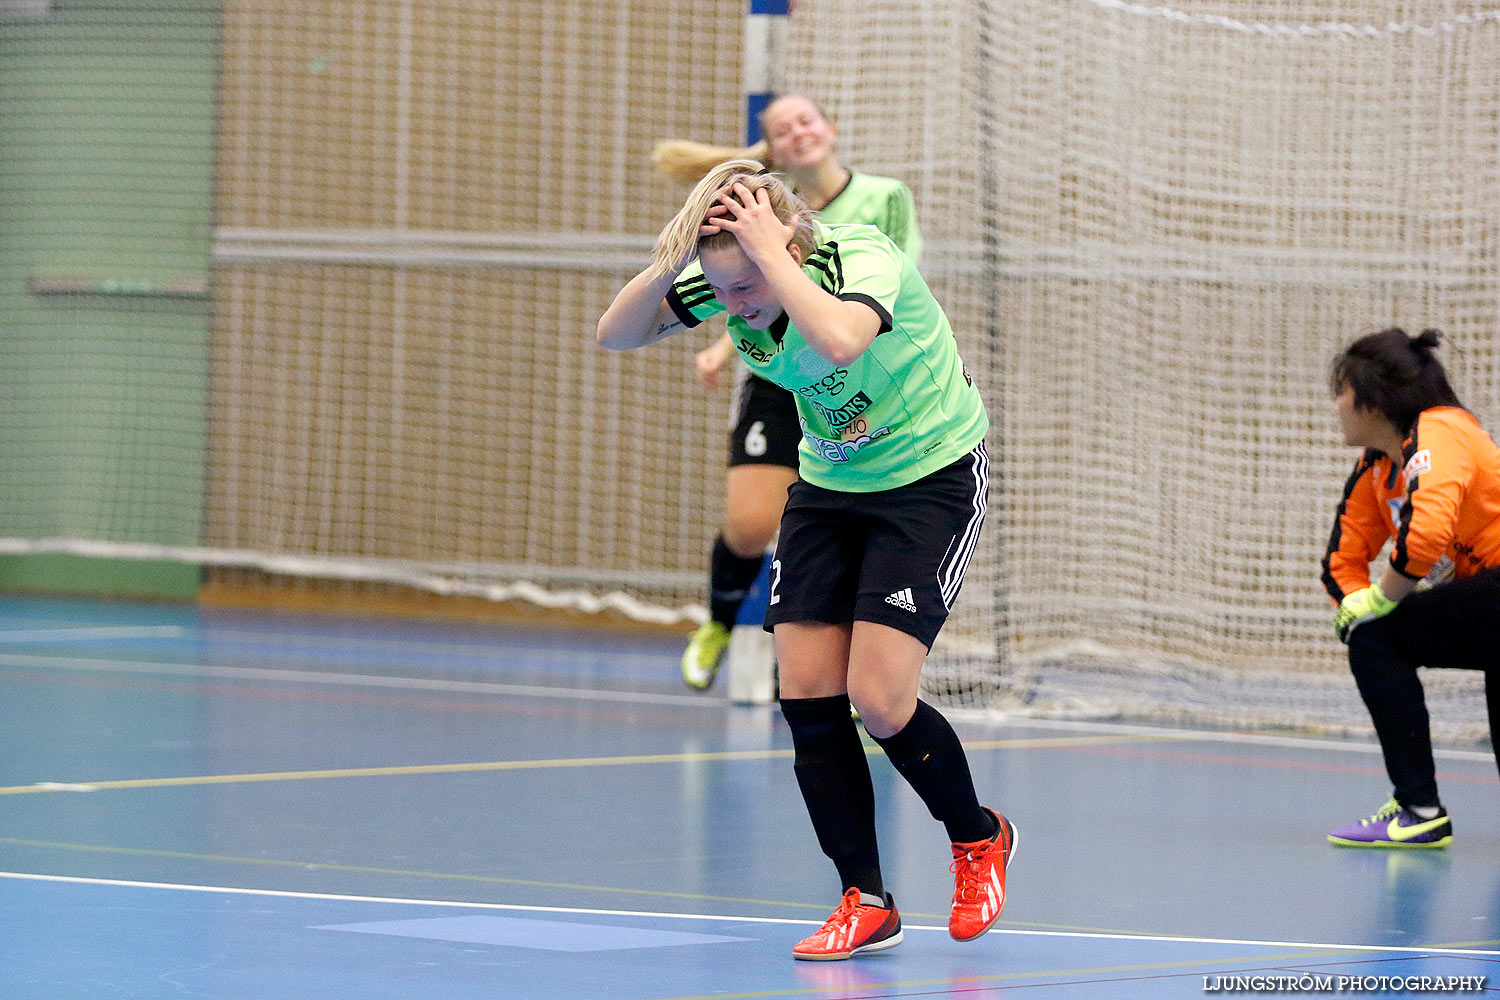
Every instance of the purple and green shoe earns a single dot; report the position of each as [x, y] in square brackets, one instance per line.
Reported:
[1395, 826]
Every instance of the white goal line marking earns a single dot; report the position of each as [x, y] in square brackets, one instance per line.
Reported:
[725, 918]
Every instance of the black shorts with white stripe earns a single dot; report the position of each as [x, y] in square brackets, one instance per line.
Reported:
[894, 557]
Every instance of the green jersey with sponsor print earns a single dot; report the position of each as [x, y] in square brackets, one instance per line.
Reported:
[901, 410]
[882, 202]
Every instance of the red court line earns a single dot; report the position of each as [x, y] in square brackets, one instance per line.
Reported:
[1200, 757]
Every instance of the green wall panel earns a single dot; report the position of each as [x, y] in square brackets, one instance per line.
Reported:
[106, 173]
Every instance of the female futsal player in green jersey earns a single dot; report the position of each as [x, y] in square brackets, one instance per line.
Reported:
[878, 529]
[799, 142]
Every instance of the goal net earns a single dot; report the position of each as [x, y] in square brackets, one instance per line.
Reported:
[1152, 228]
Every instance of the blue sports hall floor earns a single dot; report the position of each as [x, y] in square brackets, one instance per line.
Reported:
[234, 804]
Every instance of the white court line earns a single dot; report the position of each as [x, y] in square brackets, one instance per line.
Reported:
[354, 680]
[35, 635]
[222, 635]
[358, 638]
[583, 911]
[1203, 735]
[645, 698]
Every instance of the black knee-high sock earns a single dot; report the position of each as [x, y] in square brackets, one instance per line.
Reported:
[927, 753]
[835, 780]
[729, 577]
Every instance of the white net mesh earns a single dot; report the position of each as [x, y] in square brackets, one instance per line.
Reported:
[1151, 227]
[425, 209]
[1178, 216]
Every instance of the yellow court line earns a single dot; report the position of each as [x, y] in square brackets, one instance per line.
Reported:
[1471, 944]
[396, 771]
[523, 765]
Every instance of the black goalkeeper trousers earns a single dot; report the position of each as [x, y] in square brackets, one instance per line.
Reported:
[1454, 625]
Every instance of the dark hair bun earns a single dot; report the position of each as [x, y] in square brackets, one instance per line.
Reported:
[1427, 339]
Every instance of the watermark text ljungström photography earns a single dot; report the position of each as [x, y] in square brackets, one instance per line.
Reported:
[1377, 985]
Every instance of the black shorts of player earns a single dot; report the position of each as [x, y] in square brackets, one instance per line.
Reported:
[894, 557]
[767, 431]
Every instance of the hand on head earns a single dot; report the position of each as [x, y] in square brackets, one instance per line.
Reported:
[752, 220]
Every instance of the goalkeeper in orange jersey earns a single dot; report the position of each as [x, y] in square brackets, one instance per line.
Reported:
[1428, 481]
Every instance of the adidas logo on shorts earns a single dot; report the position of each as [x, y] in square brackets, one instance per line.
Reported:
[903, 600]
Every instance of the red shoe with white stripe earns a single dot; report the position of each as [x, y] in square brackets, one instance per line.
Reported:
[854, 927]
[979, 881]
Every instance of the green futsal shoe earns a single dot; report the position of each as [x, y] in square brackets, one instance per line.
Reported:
[704, 653]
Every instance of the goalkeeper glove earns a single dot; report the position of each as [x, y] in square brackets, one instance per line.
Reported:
[1359, 607]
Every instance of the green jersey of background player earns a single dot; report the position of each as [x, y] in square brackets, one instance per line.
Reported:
[882, 202]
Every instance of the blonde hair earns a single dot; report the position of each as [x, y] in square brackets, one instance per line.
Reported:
[679, 242]
[687, 161]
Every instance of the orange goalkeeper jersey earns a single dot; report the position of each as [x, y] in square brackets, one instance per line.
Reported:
[1442, 507]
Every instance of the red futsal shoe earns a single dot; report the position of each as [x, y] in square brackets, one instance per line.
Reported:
[854, 928]
[979, 881]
